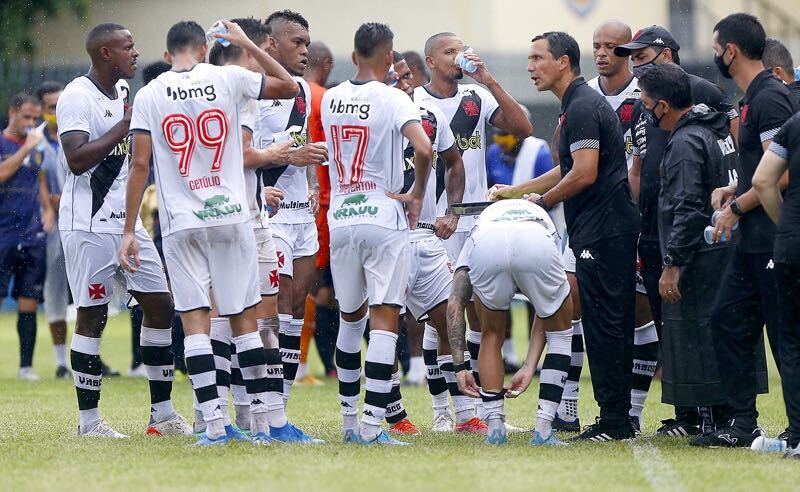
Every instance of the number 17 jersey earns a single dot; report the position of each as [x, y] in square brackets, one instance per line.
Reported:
[194, 119]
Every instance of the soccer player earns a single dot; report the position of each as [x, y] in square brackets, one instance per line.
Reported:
[513, 246]
[747, 299]
[418, 69]
[602, 223]
[93, 121]
[189, 121]
[778, 59]
[468, 108]
[430, 273]
[293, 228]
[365, 122]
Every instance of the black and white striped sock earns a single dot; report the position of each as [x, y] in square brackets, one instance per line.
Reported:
[253, 364]
[553, 376]
[464, 405]
[474, 347]
[203, 375]
[568, 408]
[348, 369]
[159, 362]
[86, 372]
[381, 353]
[395, 411]
[221, 346]
[645, 360]
[437, 385]
[241, 403]
[289, 340]
[276, 407]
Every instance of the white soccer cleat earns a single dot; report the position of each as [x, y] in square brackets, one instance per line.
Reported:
[138, 372]
[27, 374]
[101, 429]
[443, 423]
[513, 429]
[174, 426]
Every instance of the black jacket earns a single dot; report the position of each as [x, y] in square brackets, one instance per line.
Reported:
[698, 157]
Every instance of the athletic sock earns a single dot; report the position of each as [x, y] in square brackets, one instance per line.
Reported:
[26, 328]
[60, 351]
[253, 364]
[221, 347]
[156, 347]
[493, 403]
[437, 385]
[474, 347]
[568, 408]
[276, 408]
[554, 374]
[306, 334]
[416, 364]
[348, 369]
[645, 359]
[289, 339]
[395, 411]
[87, 374]
[381, 353]
[463, 404]
[241, 403]
[200, 365]
[510, 352]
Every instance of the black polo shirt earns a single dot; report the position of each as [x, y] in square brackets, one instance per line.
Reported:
[650, 142]
[765, 107]
[786, 144]
[606, 208]
[794, 88]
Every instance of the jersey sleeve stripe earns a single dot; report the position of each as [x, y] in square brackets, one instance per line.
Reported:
[494, 115]
[768, 134]
[245, 127]
[778, 150]
[403, 126]
[70, 132]
[139, 130]
[588, 143]
[263, 85]
[732, 114]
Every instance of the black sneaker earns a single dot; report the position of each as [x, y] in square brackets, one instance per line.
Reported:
[784, 436]
[63, 373]
[604, 431]
[562, 425]
[675, 428]
[107, 371]
[728, 436]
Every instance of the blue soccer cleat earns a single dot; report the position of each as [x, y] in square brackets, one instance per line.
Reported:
[350, 436]
[551, 440]
[204, 440]
[262, 439]
[236, 434]
[496, 437]
[383, 438]
[290, 433]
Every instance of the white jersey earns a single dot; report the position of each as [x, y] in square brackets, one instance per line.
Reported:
[194, 119]
[363, 124]
[622, 104]
[467, 112]
[278, 115]
[259, 218]
[95, 200]
[437, 129]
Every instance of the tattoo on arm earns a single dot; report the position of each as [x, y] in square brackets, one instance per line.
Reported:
[456, 322]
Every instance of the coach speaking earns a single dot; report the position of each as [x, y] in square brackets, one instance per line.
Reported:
[602, 223]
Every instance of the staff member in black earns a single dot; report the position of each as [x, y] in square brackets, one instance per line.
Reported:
[697, 157]
[652, 47]
[784, 154]
[602, 222]
[747, 297]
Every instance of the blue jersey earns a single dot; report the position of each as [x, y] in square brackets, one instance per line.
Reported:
[500, 166]
[20, 220]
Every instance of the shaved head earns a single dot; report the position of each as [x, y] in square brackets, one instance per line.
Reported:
[100, 35]
[317, 53]
[615, 28]
[434, 41]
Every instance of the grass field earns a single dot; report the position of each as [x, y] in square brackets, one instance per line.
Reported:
[39, 450]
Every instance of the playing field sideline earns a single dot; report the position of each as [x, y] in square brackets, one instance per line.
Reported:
[39, 449]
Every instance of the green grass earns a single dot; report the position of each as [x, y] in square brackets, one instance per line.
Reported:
[39, 450]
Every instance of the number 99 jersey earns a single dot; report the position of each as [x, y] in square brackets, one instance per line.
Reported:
[194, 120]
[363, 124]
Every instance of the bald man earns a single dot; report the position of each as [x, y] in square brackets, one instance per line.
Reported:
[417, 66]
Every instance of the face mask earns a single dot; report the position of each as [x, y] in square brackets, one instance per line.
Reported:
[50, 119]
[650, 115]
[640, 70]
[724, 69]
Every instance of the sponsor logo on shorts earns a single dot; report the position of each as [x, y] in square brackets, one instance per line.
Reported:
[517, 215]
[355, 206]
[97, 292]
[218, 206]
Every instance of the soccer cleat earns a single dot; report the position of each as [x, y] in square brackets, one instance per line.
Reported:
[27, 374]
[101, 429]
[405, 428]
[204, 440]
[173, 426]
[350, 437]
[472, 426]
[729, 436]
[513, 429]
[382, 439]
[262, 439]
[496, 437]
[290, 433]
[784, 435]
[793, 453]
[234, 433]
[108, 372]
[63, 373]
[137, 372]
[604, 431]
[443, 422]
[768, 445]
[308, 380]
[675, 428]
[551, 440]
[560, 424]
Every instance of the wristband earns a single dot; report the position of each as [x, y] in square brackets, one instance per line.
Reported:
[464, 366]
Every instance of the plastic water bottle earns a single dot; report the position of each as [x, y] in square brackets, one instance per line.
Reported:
[217, 28]
[768, 445]
[708, 232]
[464, 63]
[715, 217]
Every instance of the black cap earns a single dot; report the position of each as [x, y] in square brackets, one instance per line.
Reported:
[655, 36]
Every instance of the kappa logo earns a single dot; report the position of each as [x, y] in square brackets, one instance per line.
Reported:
[586, 255]
[345, 404]
[97, 292]
[256, 402]
[368, 413]
[770, 265]
[658, 41]
[108, 114]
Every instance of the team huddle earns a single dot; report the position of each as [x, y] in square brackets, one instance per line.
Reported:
[409, 227]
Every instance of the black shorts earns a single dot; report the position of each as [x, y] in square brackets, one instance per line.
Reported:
[27, 266]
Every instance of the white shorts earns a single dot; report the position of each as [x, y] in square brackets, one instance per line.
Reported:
[92, 259]
[517, 257]
[430, 276]
[222, 258]
[454, 244]
[293, 241]
[56, 286]
[369, 262]
[268, 278]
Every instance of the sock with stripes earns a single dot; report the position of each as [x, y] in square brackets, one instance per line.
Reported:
[289, 339]
[437, 385]
[253, 364]
[241, 403]
[348, 369]
[381, 353]
[221, 335]
[395, 411]
[568, 408]
[645, 359]
[202, 373]
[159, 363]
[26, 328]
[87, 374]
[493, 403]
[551, 381]
[276, 407]
[463, 404]
[473, 347]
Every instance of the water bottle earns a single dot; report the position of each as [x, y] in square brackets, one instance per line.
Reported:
[464, 63]
[286, 135]
[715, 217]
[217, 28]
[708, 232]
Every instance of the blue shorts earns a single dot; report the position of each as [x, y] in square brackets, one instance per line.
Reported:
[27, 265]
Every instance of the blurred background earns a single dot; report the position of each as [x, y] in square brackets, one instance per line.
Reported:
[44, 39]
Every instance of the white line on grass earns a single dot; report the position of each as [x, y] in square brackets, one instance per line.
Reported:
[655, 468]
